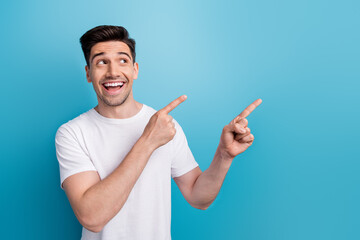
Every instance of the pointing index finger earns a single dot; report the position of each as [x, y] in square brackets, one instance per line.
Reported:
[250, 108]
[171, 106]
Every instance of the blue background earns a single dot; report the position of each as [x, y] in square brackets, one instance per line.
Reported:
[300, 178]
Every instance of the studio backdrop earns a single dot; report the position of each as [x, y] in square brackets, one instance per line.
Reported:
[300, 178]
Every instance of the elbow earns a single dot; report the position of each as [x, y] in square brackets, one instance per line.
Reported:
[91, 223]
[95, 229]
[201, 206]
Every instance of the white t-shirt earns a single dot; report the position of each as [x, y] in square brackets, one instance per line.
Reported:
[92, 142]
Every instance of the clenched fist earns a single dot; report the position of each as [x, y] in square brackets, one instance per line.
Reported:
[161, 128]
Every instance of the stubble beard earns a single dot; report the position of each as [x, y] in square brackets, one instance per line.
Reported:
[113, 102]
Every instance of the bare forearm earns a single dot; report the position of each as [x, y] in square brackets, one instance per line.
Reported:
[235, 139]
[104, 200]
[208, 184]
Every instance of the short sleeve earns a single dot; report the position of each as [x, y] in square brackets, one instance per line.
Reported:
[183, 160]
[71, 156]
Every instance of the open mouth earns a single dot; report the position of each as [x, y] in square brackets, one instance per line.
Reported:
[113, 87]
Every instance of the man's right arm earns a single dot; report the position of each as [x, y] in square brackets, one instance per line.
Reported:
[95, 202]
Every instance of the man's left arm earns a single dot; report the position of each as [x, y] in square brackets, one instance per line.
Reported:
[201, 188]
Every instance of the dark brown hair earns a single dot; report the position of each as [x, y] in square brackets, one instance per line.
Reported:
[105, 33]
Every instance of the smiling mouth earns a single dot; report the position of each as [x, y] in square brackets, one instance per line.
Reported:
[113, 87]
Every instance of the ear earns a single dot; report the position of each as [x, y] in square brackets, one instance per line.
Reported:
[87, 74]
[136, 70]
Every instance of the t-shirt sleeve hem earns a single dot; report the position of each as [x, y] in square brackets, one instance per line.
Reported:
[73, 173]
[184, 170]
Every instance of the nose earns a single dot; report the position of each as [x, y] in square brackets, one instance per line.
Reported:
[113, 71]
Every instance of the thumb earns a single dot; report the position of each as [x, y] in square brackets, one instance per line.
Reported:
[228, 133]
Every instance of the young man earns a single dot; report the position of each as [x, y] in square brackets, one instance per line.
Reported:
[116, 160]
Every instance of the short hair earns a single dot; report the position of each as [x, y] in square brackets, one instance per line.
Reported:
[105, 33]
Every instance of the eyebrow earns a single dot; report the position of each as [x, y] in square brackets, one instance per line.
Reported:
[102, 53]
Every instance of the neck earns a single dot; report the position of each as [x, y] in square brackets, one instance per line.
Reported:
[126, 110]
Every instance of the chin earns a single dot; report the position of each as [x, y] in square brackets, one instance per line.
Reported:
[114, 102]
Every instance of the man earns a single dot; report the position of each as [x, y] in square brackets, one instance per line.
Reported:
[116, 160]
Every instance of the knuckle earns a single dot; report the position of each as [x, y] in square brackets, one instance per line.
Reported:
[154, 118]
[171, 107]
[161, 120]
[158, 114]
[239, 128]
[239, 118]
[226, 128]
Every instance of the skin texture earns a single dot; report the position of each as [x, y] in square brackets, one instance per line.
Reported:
[94, 201]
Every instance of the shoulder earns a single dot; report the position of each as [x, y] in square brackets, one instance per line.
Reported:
[74, 126]
[149, 110]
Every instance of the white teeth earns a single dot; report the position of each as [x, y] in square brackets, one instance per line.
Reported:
[114, 84]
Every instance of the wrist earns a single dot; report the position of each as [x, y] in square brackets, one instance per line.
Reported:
[221, 161]
[145, 144]
[223, 155]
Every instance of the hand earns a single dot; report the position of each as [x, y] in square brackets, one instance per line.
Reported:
[160, 128]
[236, 136]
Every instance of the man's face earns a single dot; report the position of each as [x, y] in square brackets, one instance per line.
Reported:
[111, 72]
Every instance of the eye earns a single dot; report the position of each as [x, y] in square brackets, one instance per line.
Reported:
[101, 62]
[123, 61]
